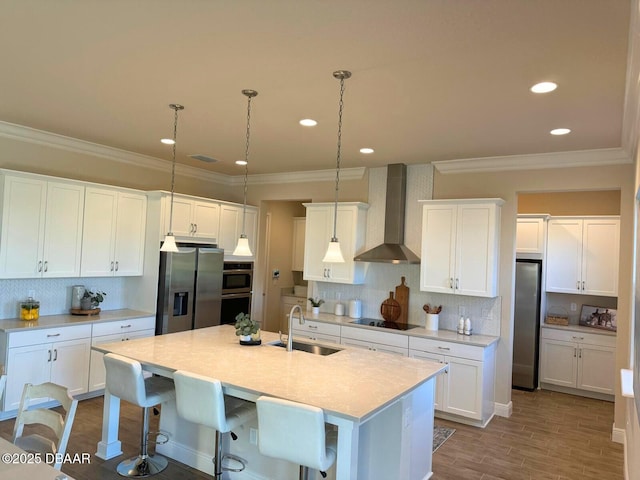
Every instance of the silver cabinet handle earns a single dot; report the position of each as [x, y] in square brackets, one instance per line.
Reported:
[55, 354]
[53, 334]
[457, 286]
[574, 352]
[46, 265]
[583, 285]
[444, 348]
[579, 353]
[40, 266]
[117, 266]
[125, 326]
[578, 285]
[450, 282]
[49, 359]
[195, 228]
[313, 326]
[111, 269]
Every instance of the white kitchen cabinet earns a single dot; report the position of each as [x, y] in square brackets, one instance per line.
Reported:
[58, 355]
[118, 331]
[231, 228]
[531, 234]
[316, 331]
[577, 360]
[192, 217]
[375, 340]
[465, 390]
[113, 233]
[41, 227]
[297, 254]
[350, 230]
[583, 255]
[460, 246]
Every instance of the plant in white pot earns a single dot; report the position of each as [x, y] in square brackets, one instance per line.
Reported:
[315, 305]
[90, 300]
[247, 329]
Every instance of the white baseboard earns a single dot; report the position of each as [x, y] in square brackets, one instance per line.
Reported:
[503, 410]
[618, 435]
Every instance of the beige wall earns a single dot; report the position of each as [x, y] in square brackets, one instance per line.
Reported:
[595, 202]
[508, 185]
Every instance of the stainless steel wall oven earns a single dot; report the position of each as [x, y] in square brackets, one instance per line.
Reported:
[237, 284]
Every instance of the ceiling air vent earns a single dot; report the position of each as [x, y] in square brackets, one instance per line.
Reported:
[204, 158]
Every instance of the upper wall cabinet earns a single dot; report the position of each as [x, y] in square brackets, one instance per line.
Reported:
[460, 243]
[231, 218]
[583, 255]
[113, 233]
[41, 227]
[530, 235]
[192, 218]
[350, 230]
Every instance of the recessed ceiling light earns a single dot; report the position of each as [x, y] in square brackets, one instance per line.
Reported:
[560, 131]
[241, 162]
[366, 151]
[308, 122]
[544, 87]
[167, 141]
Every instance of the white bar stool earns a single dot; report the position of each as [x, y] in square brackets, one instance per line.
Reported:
[297, 433]
[124, 379]
[200, 400]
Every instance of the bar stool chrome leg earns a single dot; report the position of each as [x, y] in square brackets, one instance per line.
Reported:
[143, 465]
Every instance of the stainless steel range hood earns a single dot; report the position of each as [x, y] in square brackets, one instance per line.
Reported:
[393, 249]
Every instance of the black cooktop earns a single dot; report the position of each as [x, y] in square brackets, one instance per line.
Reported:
[374, 322]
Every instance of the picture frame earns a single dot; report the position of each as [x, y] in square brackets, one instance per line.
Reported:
[599, 317]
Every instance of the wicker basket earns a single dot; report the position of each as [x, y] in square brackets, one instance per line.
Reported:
[557, 316]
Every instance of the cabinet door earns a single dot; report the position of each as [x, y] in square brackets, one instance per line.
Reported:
[438, 248]
[98, 235]
[597, 370]
[558, 362]
[440, 379]
[130, 229]
[97, 373]
[23, 223]
[206, 219]
[475, 271]
[297, 255]
[63, 230]
[530, 235]
[182, 224]
[70, 365]
[230, 225]
[29, 364]
[564, 256]
[463, 388]
[317, 238]
[600, 256]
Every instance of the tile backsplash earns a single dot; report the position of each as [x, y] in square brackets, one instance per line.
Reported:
[54, 294]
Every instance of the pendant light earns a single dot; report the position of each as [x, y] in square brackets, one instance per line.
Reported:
[334, 254]
[242, 248]
[169, 244]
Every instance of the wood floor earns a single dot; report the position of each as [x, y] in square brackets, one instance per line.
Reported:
[550, 436]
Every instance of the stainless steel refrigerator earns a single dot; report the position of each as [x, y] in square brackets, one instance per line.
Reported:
[526, 324]
[189, 288]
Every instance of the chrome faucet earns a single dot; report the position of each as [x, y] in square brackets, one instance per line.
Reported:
[290, 335]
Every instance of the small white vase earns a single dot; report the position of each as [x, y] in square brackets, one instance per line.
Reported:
[315, 310]
[245, 338]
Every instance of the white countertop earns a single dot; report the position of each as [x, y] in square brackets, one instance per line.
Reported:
[353, 383]
[580, 328]
[49, 321]
[444, 335]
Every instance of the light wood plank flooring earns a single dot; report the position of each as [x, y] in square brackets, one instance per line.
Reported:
[550, 436]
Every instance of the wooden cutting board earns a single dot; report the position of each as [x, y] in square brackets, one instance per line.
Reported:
[402, 297]
[390, 309]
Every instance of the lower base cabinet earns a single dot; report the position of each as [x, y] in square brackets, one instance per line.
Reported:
[584, 361]
[466, 388]
[316, 331]
[376, 341]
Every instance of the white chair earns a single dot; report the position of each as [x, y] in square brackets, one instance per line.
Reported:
[200, 400]
[124, 379]
[60, 425]
[297, 433]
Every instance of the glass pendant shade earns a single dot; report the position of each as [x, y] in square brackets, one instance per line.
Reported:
[169, 244]
[242, 248]
[334, 254]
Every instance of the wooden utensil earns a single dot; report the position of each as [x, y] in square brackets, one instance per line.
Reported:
[402, 297]
[390, 309]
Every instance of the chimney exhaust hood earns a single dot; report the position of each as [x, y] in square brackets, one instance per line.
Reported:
[393, 249]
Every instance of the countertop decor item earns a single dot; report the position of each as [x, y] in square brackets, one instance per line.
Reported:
[557, 316]
[80, 311]
[90, 300]
[402, 297]
[77, 292]
[29, 309]
[598, 317]
[247, 329]
[433, 317]
[390, 309]
[316, 302]
[355, 308]
[169, 244]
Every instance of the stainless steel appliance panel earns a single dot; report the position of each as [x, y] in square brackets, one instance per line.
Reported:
[208, 288]
[526, 326]
[176, 291]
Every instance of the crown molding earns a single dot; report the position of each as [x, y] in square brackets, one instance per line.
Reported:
[54, 140]
[356, 173]
[580, 158]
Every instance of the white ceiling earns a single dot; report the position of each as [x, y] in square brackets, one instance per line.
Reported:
[432, 79]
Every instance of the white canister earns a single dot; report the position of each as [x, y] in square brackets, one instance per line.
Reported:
[339, 309]
[433, 320]
[77, 291]
[355, 308]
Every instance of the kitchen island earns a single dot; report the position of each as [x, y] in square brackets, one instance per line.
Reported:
[381, 404]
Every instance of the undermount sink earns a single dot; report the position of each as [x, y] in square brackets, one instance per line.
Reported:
[307, 347]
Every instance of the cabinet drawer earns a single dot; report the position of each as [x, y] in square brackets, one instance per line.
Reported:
[310, 327]
[49, 335]
[579, 337]
[383, 338]
[471, 352]
[123, 326]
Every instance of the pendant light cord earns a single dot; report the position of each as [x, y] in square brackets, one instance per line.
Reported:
[340, 107]
[246, 162]
[176, 108]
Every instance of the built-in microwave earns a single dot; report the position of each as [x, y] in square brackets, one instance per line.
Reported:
[237, 277]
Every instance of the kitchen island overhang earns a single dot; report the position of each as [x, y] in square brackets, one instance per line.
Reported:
[371, 396]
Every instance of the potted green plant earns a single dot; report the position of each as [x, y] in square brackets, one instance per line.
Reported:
[90, 300]
[247, 329]
[315, 305]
